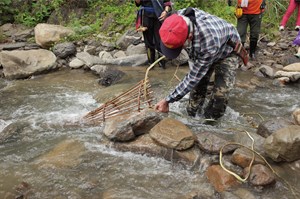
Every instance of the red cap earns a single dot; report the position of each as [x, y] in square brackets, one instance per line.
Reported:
[173, 34]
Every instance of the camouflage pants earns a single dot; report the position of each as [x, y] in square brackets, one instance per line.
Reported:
[225, 72]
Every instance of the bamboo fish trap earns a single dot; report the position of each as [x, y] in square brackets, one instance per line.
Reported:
[137, 98]
[134, 99]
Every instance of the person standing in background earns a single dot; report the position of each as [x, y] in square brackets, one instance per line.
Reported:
[153, 12]
[252, 16]
[291, 8]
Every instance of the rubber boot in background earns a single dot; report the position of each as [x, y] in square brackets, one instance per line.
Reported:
[151, 55]
[252, 50]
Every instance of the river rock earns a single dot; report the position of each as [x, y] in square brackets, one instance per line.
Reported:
[145, 145]
[128, 38]
[22, 64]
[244, 139]
[172, 134]
[12, 46]
[105, 55]
[243, 157]
[295, 67]
[76, 63]
[267, 71]
[284, 144]
[47, 34]
[220, 179]
[89, 60]
[270, 126]
[66, 154]
[136, 49]
[296, 116]
[63, 50]
[12, 131]
[212, 143]
[127, 127]
[108, 74]
[260, 175]
[243, 193]
[293, 76]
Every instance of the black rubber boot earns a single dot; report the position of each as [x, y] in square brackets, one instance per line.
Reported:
[151, 55]
[252, 50]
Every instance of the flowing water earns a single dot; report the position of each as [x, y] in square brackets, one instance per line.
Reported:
[36, 111]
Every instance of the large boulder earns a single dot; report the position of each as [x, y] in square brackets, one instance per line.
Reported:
[47, 34]
[19, 64]
[172, 134]
[128, 127]
[284, 144]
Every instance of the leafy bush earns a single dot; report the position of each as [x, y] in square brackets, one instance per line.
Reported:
[37, 12]
[5, 10]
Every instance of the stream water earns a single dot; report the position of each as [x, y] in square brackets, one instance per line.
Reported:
[38, 108]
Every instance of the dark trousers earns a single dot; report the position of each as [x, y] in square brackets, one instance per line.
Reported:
[225, 72]
[254, 22]
[151, 36]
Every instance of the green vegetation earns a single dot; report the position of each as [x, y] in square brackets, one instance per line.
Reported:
[37, 12]
[107, 16]
[5, 10]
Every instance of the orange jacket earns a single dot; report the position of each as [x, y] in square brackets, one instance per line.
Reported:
[253, 7]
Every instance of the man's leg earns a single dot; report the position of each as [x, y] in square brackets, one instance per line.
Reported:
[150, 55]
[242, 25]
[149, 39]
[157, 25]
[224, 80]
[255, 24]
[197, 95]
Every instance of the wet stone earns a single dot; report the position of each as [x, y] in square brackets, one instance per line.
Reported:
[212, 143]
[172, 134]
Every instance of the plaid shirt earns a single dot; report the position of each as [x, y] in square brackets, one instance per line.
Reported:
[211, 34]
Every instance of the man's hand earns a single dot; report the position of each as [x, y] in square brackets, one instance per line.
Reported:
[163, 16]
[162, 106]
